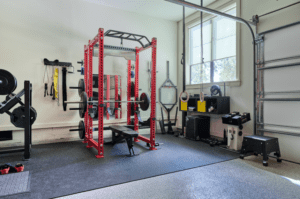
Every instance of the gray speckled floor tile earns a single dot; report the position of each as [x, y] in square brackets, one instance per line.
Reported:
[232, 179]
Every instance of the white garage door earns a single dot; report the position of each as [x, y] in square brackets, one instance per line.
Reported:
[279, 115]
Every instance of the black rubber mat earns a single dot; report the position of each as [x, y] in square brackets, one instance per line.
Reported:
[14, 183]
[67, 168]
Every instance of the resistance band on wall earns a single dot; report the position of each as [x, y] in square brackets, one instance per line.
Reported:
[56, 94]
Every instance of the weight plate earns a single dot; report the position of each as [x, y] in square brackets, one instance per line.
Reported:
[17, 117]
[83, 104]
[81, 128]
[146, 101]
[81, 86]
[8, 83]
[132, 89]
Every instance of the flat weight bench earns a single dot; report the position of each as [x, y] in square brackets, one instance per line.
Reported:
[260, 145]
[120, 133]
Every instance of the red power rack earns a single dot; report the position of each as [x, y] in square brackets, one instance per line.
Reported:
[88, 79]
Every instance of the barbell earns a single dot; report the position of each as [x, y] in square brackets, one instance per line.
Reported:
[144, 102]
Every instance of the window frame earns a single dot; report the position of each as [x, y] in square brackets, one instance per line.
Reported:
[207, 17]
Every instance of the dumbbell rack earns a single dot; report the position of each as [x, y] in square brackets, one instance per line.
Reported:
[88, 80]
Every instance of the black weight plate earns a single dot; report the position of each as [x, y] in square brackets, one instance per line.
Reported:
[17, 117]
[144, 105]
[81, 128]
[81, 86]
[132, 89]
[83, 104]
[8, 83]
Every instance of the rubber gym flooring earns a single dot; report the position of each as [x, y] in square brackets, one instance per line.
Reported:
[66, 168]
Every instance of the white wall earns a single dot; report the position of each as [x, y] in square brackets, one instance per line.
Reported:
[242, 96]
[35, 29]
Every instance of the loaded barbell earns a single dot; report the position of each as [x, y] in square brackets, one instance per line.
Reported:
[83, 103]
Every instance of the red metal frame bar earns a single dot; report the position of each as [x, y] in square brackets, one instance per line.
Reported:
[153, 95]
[100, 94]
[136, 91]
[86, 88]
[116, 97]
[107, 95]
[129, 92]
[90, 94]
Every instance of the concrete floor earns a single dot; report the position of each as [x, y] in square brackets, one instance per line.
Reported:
[246, 178]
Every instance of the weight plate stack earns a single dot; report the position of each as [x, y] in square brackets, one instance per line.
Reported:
[17, 117]
[8, 83]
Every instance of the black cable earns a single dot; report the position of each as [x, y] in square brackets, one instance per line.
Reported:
[64, 87]
[279, 9]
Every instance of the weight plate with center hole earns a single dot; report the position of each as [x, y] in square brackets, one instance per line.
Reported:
[8, 83]
[83, 105]
[146, 101]
[81, 86]
[17, 117]
[81, 128]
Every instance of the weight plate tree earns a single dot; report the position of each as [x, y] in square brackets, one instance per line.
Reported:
[8, 83]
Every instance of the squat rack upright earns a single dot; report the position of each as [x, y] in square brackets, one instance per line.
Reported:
[129, 54]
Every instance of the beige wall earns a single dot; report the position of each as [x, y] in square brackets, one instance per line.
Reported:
[242, 96]
[35, 29]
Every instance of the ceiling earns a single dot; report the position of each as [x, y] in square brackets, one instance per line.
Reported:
[155, 8]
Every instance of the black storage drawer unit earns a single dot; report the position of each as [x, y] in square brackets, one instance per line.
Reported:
[197, 127]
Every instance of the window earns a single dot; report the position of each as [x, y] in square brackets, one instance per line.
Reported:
[219, 51]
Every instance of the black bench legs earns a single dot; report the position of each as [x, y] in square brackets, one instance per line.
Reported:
[118, 138]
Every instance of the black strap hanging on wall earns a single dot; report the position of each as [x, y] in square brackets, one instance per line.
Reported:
[64, 87]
